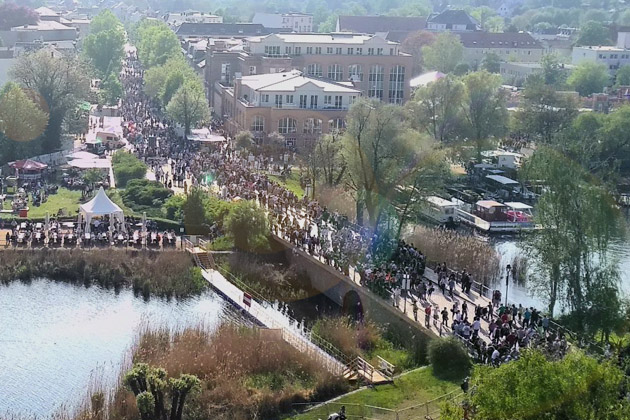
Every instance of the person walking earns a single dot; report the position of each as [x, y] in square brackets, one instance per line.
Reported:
[445, 317]
[427, 316]
[415, 310]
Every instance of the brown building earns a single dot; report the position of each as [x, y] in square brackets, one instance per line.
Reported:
[375, 66]
[298, 107]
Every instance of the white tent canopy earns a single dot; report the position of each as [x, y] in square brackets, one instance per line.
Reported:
[100, 205]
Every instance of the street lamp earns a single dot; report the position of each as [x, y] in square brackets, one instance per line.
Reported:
[507, 281]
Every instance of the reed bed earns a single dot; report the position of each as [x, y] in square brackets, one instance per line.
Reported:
[460, 252]
[245, 374]
[161, 273]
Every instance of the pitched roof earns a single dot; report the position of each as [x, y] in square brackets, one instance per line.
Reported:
[453, 17]
[225, 29]
[374, 24]
[290, 81]
[498, 40]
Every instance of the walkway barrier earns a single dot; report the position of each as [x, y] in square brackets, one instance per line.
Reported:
[426, 410]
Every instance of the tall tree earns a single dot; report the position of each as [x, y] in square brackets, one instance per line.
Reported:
[544, 112]
[436, 108]
[588, 78]
[444, 54]
[22, 122]
[161, 82]
[189, 105]
[578, 219]
[156, 43]
[593, 33]
[622, 77]
[491, 63]
[60, 81]
[484, 108]
[105, 48]
[552, 70]
[413, 45]
[105, 21]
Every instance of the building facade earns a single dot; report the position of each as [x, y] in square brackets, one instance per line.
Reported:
[297, 22]
[298, 107]
[514, 47]
[375, 66]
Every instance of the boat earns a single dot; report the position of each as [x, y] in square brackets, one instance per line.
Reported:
[492, 217]
[439, 210]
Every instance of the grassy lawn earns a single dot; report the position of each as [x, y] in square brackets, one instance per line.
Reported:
[64, 199]
[291, 183]
[415, 388]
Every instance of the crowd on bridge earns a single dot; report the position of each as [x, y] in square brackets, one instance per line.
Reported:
[383, 265]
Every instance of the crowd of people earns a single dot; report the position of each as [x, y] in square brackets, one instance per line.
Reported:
[387, 267]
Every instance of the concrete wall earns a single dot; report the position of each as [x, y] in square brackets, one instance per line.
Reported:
[342, 291]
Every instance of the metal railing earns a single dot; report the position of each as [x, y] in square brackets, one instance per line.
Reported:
[422, 411]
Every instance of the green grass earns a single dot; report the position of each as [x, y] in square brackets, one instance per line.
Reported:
[64, 199]
[291, 183]
[414, 388]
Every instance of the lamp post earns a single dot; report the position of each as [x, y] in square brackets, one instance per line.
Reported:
[507, 281]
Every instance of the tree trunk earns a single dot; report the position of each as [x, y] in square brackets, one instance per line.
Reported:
[359, 208]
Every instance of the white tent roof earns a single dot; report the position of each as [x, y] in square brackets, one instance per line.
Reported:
[100, 205]
[82, 155]
[90, 163]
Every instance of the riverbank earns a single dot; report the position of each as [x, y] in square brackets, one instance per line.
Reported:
[165, 274]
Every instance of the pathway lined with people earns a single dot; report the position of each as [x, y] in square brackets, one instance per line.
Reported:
[372, 261]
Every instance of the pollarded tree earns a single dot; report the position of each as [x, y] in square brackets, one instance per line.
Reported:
[484, 108]
[60, 81]
[189, 105]
[152, 387]
[444, 54]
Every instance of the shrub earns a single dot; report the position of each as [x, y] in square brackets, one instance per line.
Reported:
[173, 207]
[449, 358]
[247, 224]
[144, 195]
[127, 167]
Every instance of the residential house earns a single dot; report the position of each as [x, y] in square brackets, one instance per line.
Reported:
[298, 107]
[452, 20]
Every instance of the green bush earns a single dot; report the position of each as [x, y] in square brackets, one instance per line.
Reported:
[449, 358]
[144, 195]
[127, 167]
[172, 208]
[248, 226]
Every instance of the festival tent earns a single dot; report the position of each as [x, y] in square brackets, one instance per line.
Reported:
[28, 169]
[100, 205]
[425, 78]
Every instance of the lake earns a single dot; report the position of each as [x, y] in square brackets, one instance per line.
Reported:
[56, 339]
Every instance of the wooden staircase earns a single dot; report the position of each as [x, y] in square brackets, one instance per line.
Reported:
[361, 370]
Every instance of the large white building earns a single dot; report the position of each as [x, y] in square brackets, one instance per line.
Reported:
[298, 107]
[613, 57]
[297, 22]
[176, 19]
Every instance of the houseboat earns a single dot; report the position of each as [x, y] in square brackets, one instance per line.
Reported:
[493, 217]
[440, 211]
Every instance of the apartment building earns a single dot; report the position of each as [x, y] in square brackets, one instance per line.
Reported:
[298, 107]
[297, 22]
[514, 47]
[375, 66]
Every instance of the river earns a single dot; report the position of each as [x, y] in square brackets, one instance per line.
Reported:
[56, 339]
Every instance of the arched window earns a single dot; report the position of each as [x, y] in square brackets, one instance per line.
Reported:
[375, 80]
[287, 125]
[258, 124]
[355, 72]
[314, 70]
[335, 72]
[336, 124]
[397, 84]
[312, 126]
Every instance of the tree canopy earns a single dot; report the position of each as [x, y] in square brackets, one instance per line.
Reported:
[60, 81]
[588, 78]
[444, 54]
[577, 387]
[189, 105]
[156, 43]
[593, 33]
[105, 44]
[12, 15]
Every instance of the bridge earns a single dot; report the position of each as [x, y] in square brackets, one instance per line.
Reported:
[284, 327]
